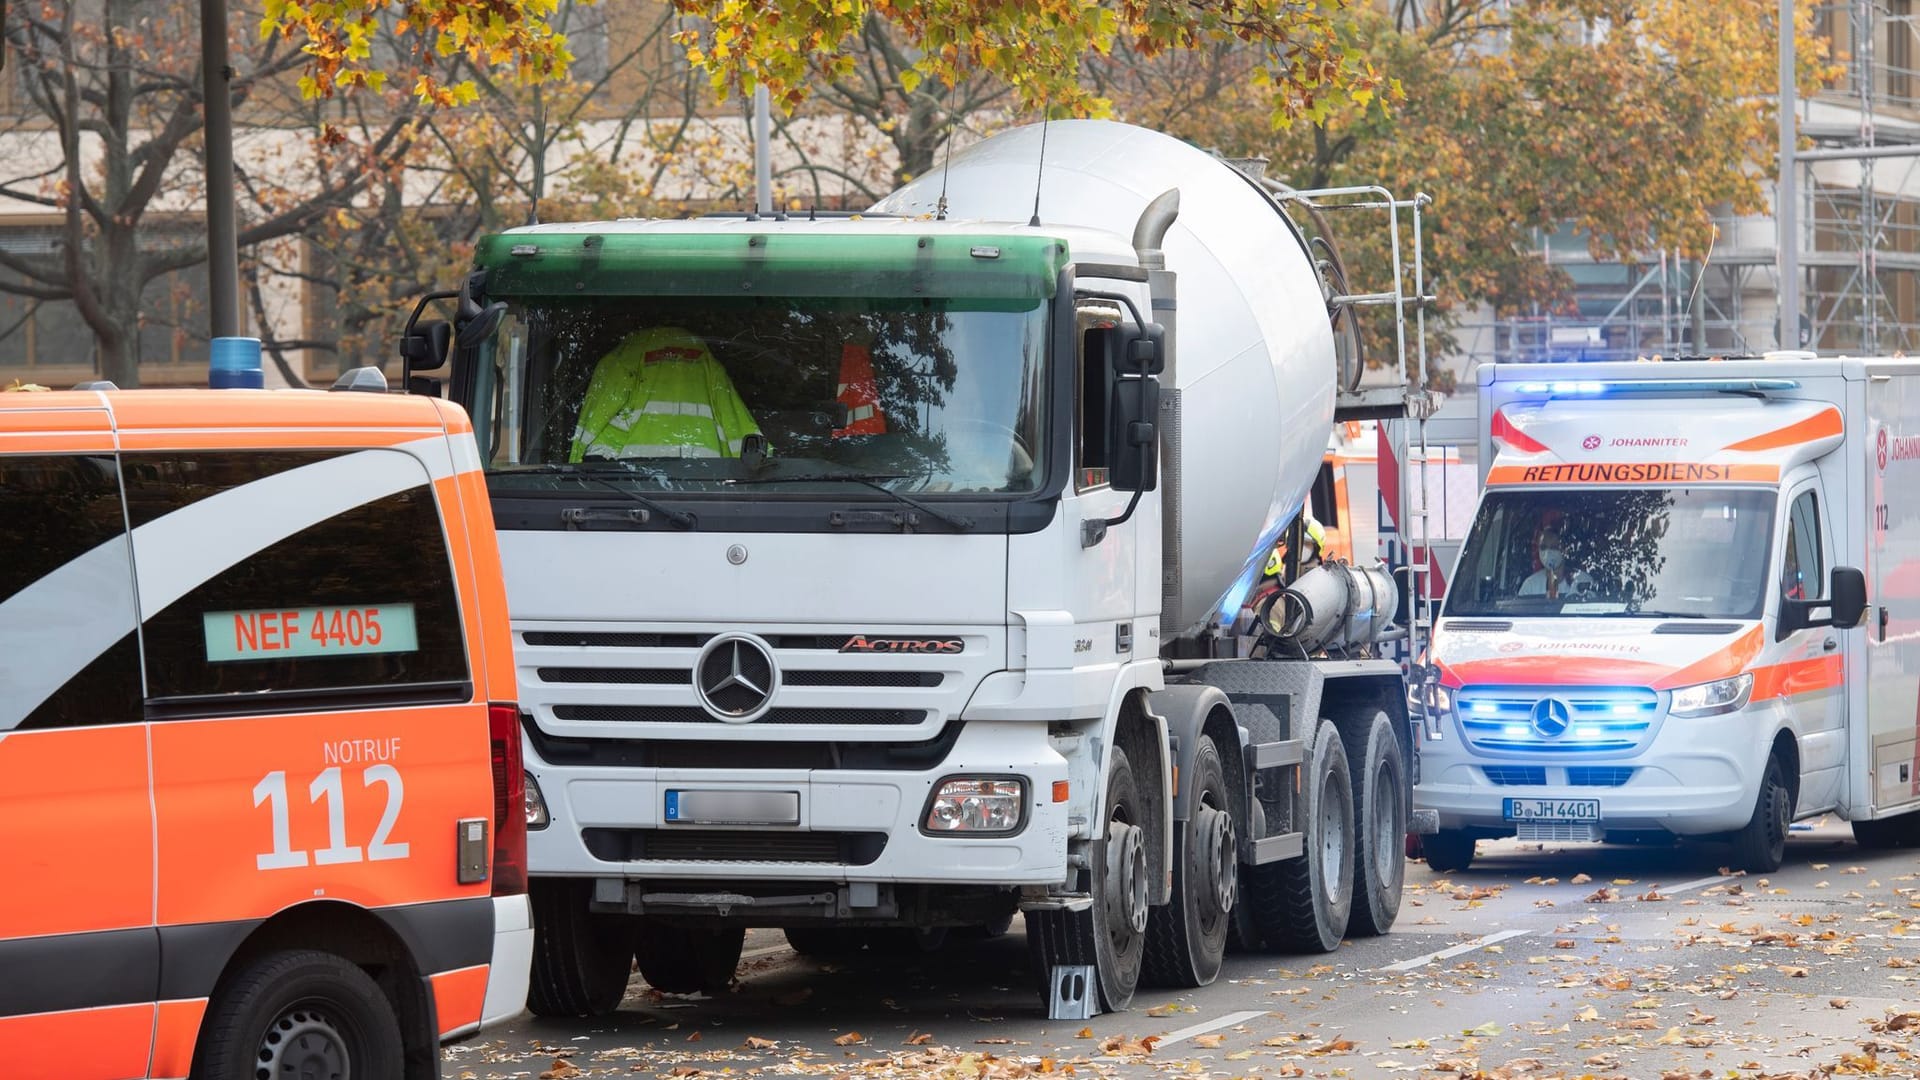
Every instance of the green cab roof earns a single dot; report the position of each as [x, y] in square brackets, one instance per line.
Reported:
[734, 261]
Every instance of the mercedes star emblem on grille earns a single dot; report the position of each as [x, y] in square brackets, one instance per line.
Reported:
[735, 677]
[1552, 717]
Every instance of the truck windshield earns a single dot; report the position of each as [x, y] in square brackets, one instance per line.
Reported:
[695, 393]
[1664, 552]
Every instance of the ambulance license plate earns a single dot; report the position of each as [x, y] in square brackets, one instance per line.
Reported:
[732, 807]
[1551, 809]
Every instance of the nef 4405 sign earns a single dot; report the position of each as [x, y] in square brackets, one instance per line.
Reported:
[313, 631]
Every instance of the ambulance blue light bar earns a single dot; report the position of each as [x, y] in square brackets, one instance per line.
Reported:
[1601, 388]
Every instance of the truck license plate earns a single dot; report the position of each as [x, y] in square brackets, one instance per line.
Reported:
[1552, 809]
[732, 807]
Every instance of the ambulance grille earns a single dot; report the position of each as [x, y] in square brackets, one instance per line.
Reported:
[1600, 775]
[1477, 626]
[1515, 775]
[1557, 831]
[685, 714]
[1599, 719]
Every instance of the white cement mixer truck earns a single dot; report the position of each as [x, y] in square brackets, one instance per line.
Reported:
[877, 576]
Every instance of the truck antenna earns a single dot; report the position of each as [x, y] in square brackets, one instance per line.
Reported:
[940, 208]
[1040, 168]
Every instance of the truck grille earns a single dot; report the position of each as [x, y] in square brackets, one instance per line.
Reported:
[685, 714]
[620, 676]
[1598, 719]
[733, 845]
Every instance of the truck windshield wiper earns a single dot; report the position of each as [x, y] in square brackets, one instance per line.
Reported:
[589, 474]
[868, 480]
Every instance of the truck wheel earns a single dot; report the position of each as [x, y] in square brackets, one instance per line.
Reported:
[1187, 938]
[1761, 847]
[689, 960]
[1380, 817]
[1111, 933]
[1448, 850]
[1892, 832]
[581, 961]
[826, 942]
[299, 1013]
[1302, 905]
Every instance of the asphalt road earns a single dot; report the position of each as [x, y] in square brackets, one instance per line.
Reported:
[1541, 961]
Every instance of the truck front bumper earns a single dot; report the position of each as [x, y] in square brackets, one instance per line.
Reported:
[855, 825]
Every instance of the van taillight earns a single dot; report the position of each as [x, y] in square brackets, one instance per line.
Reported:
[509, 801]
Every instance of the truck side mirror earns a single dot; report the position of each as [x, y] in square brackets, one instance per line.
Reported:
[1147, 350]
[1847, 589]
[1133, 441]
[424, 347]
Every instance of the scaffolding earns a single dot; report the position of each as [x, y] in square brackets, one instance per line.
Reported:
[1857, 224]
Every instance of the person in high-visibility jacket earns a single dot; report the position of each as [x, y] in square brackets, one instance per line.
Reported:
[661, 394]
[1315, 542]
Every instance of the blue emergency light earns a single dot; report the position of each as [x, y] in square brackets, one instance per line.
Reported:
[233, 363]
[1598, 388]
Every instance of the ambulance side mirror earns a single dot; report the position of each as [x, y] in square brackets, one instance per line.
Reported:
[1848, 589]
[1844, 607]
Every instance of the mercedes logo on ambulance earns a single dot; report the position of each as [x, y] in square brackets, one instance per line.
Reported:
[1551, 718]
[735, 677]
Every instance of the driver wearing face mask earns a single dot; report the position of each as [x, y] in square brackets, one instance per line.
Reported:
[1554, 577]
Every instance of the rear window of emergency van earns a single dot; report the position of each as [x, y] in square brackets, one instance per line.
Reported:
[337, 583]
[67, 654]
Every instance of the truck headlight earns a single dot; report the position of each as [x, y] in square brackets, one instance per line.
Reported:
[1713, 698]
[536, 805]
[975, 806]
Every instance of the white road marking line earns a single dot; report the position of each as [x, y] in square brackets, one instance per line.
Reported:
[1448, 954]
[752, 954]
[1226, 1021]
[1688, 886]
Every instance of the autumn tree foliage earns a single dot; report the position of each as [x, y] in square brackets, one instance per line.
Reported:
[113, 123]
[1630, 124]
[515, 37]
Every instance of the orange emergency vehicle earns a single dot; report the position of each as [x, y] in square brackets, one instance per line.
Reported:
[261, 800]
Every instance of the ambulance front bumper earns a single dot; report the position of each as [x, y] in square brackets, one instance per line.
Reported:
[1697, 777]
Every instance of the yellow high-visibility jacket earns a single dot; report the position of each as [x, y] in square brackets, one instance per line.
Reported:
[661, 394]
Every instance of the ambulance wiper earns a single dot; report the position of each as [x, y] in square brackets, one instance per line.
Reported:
[869, 480]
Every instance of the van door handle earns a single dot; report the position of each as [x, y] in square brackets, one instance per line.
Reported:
[1829, 645]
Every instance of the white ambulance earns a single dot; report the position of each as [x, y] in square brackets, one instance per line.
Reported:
[1689, 605]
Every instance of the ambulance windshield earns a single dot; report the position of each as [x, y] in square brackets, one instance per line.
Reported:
[695, 393]
[1649, 553]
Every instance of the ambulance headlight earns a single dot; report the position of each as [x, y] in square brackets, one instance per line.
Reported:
[536, 805]
[976, 806]
[1713, 698]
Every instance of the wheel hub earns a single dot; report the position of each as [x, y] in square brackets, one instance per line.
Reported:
[1222, 858]
[1126, 884]
[303, 1044]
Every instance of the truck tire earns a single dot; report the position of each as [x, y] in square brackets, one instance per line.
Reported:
[1380, 824]
[826, 942]
[581, 961]
[688, 960]
[1448, 850]
[1761, 846]
[1187, 938]
[299, 1013]
[1111, 933]
[1303, 904]
[1891, 832]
